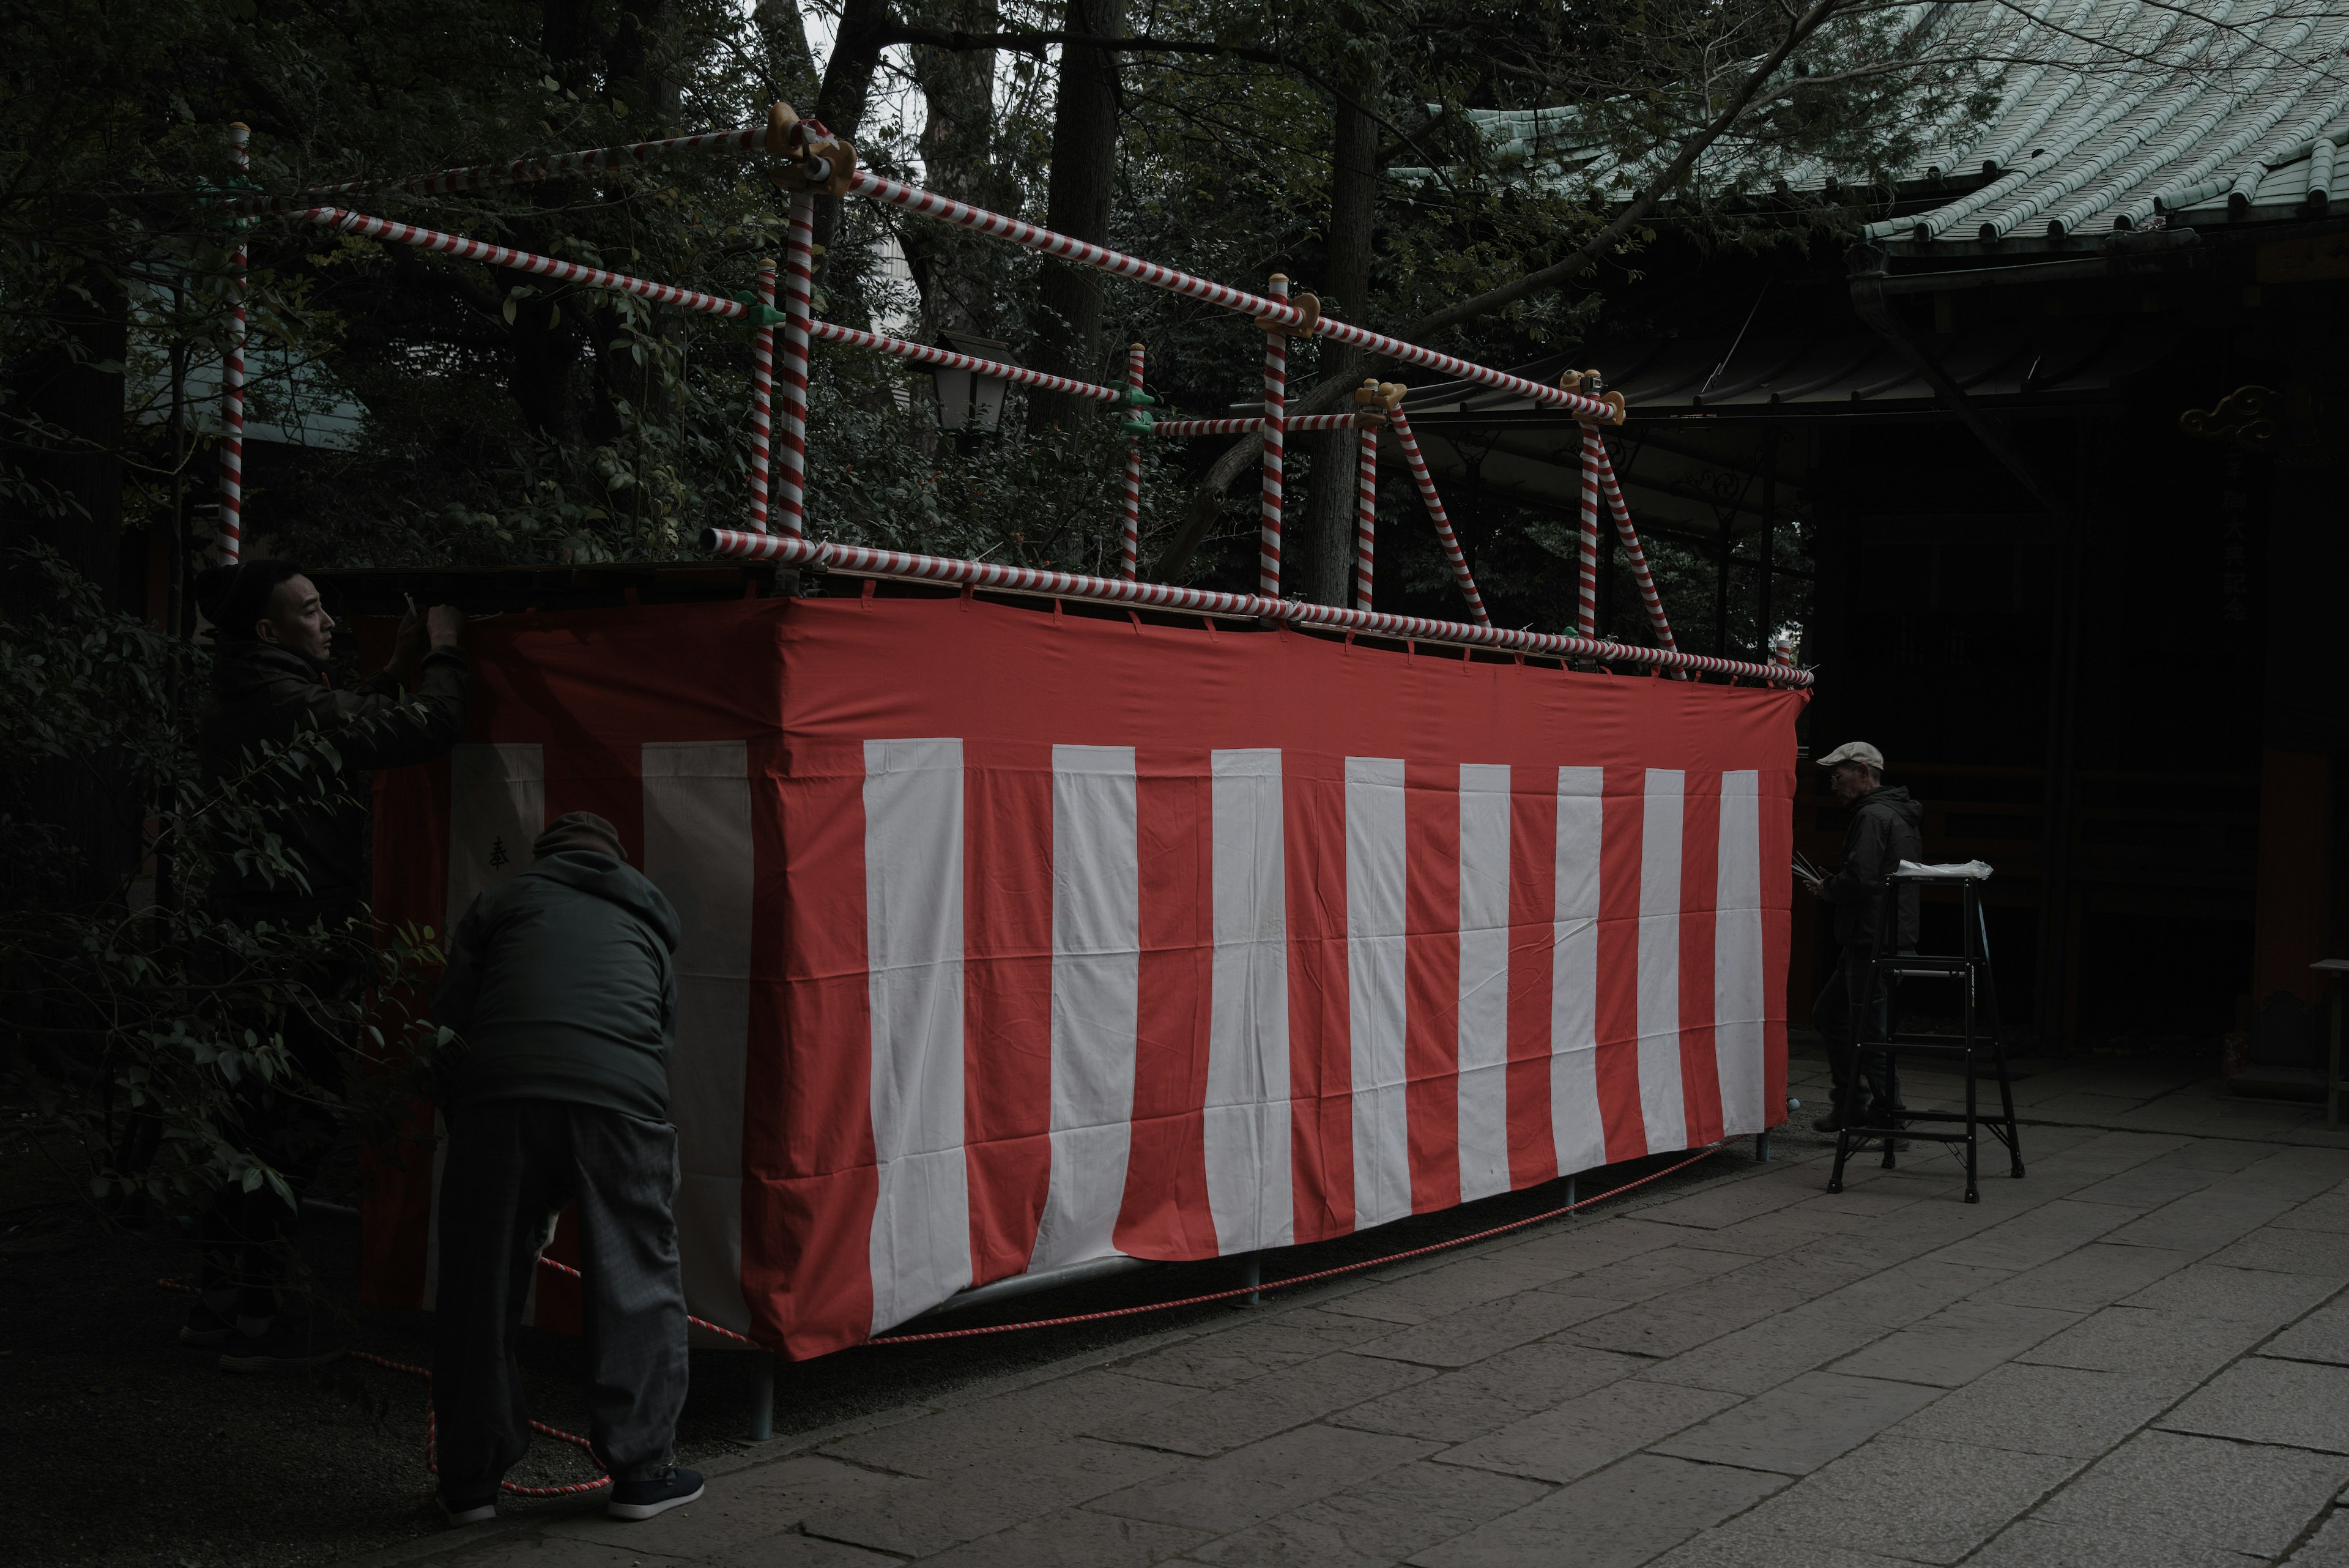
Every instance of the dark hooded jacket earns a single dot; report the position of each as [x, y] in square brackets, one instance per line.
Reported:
[562, 985]
[263, 696]
[1884, 831]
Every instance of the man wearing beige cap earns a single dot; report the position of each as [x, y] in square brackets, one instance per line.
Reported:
[1882, 831]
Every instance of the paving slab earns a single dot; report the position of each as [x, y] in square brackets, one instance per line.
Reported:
[2035, 1543]
[1050, 1412]
[1074, 1538]
[2328, 1547]
[2150, 1185]
[1454, 1406]
[1764, 1236]
[2150, 1341]
[1489, 1329]
[1218, 1360]
[1729, 1547]
[2303, 1403]
[2322, 1254]
[1763, 1355]
[2322, 1335]
[1207, 1423]
[1956, 1345]
[922, 1517]
[1469, 1282]
[2163, 1489]
[1922, 1501]
[1407, 1509]
[749, 1506]
[1665, 1272]
[2059, 1410]
[1897, 1297]
[2326, 1211]
[1580, 1245]
[1251, 1484]
[1799, 1426]
[2088, 1277]
[1586, 1433]
[2038, 1235]
[1620, 1518]
[2242, 1296]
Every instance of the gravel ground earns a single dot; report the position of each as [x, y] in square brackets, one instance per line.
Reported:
[121, 1445]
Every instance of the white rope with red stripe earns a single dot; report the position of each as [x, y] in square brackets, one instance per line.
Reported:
[1657, 620]
[798, 305]
[524, 261]
[1129, 547]
[230, 541]
[922, 354]
[929, 204]
[1366, 512]
[762, 400]
[864, 560]
[1272, 438]
[520, 172]
[1410, 445]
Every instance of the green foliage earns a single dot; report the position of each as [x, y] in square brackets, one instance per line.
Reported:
[141, 1026]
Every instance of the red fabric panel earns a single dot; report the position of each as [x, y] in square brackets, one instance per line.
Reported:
[1166, 1213]
[1533, 934]
[411, 810]
[1006, 899]
[1432, 980]
[1700, 901]
[1320, 1047]
[1621, 837]
[809, 1185]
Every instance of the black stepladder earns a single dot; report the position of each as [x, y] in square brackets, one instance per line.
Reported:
[1873, 1030]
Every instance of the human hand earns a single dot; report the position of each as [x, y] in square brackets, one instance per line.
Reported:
[445, 625]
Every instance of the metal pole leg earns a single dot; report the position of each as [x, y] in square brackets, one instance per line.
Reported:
[1252, 1275]
[763, 1396]
[1762, 1148]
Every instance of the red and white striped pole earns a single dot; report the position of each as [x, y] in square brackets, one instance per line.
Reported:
[1594, 457]
[1276, 412]
[1410, 445]
[1596, 449]
[1129, 550]
[763, 399]
[799, 310]
[230, 543]
[1366, 514]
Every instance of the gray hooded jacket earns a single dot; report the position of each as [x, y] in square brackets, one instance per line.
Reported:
[562, 985]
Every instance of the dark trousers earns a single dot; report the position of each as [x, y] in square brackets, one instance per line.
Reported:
[512, 1164]
[1864, 1081]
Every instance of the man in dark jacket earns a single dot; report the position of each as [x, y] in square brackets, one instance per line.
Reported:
[1882, 831]
[561, 984]
[271, 638]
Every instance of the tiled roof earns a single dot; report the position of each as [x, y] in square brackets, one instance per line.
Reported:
[2109, 115]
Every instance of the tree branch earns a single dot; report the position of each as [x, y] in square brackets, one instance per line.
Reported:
[1208, 499]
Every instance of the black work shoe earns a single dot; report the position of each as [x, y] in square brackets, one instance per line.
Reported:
[1831, 1122]
[654, 1495]
[469, 1512]
[204, 1326]
[281, 1345]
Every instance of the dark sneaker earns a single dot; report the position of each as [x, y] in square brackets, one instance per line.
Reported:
[1831, 1122]
[469, 1512]
[204, 1326]
[650, 1498]
[281, 1345]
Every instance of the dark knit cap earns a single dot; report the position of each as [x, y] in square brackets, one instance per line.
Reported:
[579, 830]
[235, 596]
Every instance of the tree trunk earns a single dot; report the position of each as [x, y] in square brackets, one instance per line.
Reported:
[1085, 168]
[955, 269]
[783, 35]
[840, 102]
[1326, 573]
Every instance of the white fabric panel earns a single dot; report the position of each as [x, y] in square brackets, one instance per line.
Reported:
[698, 851]
[497, 804]
[1663, 1106]
[1375, 970]
[1575, 1121]
[1247, 1100]
[1096, 998]
[1483, 981]
[1737, 957]
[920, 1247]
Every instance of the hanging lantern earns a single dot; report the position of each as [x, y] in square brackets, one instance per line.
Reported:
[970, 401]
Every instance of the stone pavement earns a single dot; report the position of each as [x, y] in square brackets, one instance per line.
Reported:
[2139, 1355]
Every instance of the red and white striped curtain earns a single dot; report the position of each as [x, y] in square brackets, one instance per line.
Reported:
[1015, 939]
